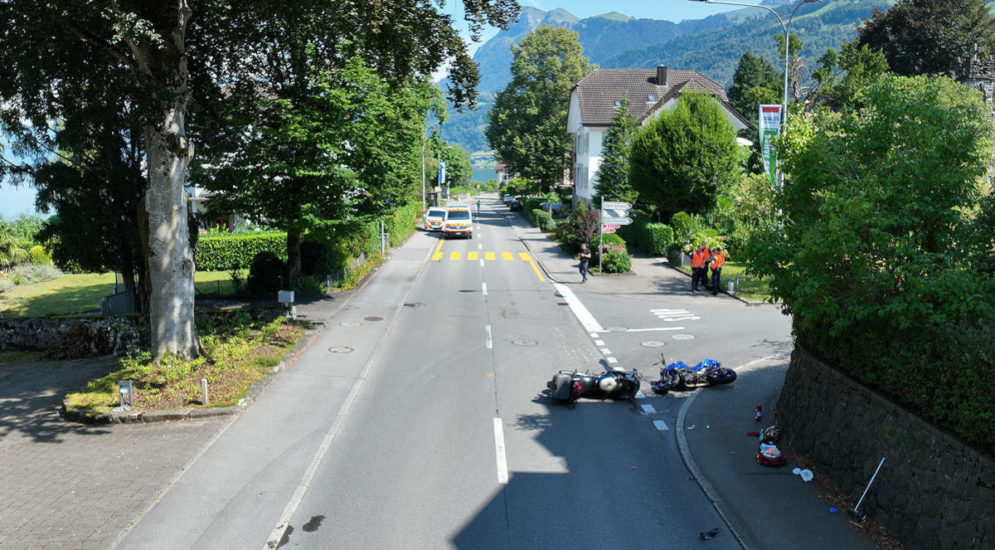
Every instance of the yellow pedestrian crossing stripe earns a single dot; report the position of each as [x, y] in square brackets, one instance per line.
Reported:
[438, 255]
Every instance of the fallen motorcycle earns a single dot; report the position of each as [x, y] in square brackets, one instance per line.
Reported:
[615, 383]
[679, 376]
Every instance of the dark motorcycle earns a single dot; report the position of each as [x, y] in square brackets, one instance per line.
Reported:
[679, 376]
[569, 386]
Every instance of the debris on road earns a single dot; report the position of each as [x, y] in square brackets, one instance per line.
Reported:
[706, 535]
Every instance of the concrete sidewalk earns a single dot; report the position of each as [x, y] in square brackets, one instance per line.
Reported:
[763, 507]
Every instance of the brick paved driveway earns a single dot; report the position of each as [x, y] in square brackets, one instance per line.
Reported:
[67, 485]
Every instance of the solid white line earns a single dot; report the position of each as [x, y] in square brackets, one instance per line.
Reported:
[670, 311]
[490, 341]
[612, 360]
[652, 329]
[581, 312]
[648, 409]
[599, 342]
[483, 286]
[685, 318]
[660, 425]
[606, 351]
[502, 460]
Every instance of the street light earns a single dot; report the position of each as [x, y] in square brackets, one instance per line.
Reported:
[785, 26]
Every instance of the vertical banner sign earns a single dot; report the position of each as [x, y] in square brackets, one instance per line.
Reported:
[442, 172]
[770, 126]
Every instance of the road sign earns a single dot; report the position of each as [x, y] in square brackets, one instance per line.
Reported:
[616, 220]
[616, 205]
[609, 228]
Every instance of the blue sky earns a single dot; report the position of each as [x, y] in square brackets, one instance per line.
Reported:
[14, 201]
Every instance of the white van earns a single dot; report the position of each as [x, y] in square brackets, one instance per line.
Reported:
[435, 218]
[459, 222]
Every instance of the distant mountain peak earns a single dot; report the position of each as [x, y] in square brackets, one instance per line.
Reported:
[613, 16]
[561, 16]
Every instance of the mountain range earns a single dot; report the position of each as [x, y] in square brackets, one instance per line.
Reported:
[711, 45]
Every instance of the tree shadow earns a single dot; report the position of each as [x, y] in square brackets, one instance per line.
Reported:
[62, 301]
[31, 394]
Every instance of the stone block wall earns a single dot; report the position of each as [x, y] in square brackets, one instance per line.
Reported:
[932, 492]
[69, 338]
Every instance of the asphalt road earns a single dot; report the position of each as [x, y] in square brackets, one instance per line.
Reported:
[416, 420]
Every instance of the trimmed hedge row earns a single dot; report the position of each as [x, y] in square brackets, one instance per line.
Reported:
[541, 219]
[230, 252]
[650, 237]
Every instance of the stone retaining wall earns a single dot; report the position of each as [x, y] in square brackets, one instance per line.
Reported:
[69, 338]
[932, 492]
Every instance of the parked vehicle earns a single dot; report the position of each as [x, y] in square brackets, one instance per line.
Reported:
[508, 198]
[459, 222]
[434, 219]
[515, 206]
[679, 376]
[615, 383]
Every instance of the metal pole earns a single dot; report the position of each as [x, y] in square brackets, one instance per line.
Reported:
[601, 233]
[423, 174]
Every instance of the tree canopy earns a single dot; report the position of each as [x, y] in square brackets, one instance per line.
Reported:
[841, 79]
[528, 121]
[754, 83]
[613, 174]
[679, 159]
[930, 36]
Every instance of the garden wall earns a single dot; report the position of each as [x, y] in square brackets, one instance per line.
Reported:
[69, 338]
[932, 492]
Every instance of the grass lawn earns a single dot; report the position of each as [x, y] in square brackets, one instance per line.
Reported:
[750, 287]
[79, 293]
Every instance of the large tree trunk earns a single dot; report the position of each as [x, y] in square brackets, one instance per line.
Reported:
[171, 267]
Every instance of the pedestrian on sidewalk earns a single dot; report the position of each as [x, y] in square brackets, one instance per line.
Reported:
[704, 267]
[478, 207]
[718, 260]
[585, 259]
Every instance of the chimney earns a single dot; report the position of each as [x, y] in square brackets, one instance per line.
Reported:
[661, 75]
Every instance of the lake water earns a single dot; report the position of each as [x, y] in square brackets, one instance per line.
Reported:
[483, 174]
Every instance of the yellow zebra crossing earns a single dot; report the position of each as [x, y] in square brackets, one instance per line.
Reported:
[457, 256]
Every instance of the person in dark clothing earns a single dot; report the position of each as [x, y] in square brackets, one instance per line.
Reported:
[585, 259]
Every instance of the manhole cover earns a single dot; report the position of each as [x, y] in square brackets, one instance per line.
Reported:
[350, 324]
[340, 349]
[523, 342]
[616, 329]
[652, 344]
[683, 337]
[373, 318]
[413, 304]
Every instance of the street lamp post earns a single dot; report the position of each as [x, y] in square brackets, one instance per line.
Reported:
[785, 26]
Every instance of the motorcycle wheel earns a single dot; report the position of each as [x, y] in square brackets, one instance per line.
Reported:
[561, 386]
[720, 375]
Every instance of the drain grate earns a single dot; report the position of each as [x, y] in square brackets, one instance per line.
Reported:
[373, 318]
[524, 342]
[414, 304]
[340, 349]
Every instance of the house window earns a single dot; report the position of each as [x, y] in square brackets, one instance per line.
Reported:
[618, 103]
[651, 98]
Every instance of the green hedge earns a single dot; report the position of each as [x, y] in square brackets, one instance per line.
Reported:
[650, 237]
[236, 251]
[541, 219]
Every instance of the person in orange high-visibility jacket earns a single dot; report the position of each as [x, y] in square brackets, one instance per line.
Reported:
[718, 260]
[698, 267]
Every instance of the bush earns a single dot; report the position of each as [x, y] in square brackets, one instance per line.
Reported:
[650, 237]
[39, 256]
[226, 252]
[531, 204]
[266, 274]
[580, 227]
[616, 261]
[31, 273]
[542, 220]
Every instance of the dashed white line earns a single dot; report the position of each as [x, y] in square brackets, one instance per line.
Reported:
[599, 342]
[490, 341]
[660, 425]
[606, 351]
[502, 460]
[648, 409]
[612, 360]
[483, 287]
[481, 263]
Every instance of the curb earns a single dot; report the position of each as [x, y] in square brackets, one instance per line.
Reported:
[532, 253]
[734, 296]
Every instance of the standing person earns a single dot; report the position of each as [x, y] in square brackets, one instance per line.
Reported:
[478, 207]
[704, 266]
[585, 258]
[718, 260]
[697, 270]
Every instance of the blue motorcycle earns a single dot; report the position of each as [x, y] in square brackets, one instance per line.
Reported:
[679, 376]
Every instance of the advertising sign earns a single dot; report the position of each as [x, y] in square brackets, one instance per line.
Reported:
[770, 127]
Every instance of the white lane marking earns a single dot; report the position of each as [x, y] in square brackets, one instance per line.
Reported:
[594, 335]
[640, 395]
[612, 360]
[660, 425]
[606, 351]
[490, 341]
[480, 246]
[483, 287]
[684, 318]
[599, 342]
[659, 311]
[652, 329]
[481, 263]
[648, 409]
[502, 460]
[581, 312]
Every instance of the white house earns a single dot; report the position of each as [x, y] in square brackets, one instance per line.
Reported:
[597, 97]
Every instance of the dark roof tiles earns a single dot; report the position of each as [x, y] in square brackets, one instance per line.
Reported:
[599, 91]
